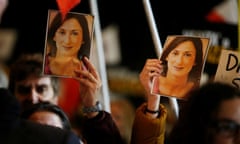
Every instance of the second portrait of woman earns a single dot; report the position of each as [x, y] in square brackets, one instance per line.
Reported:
[182, 62]
[68, 40]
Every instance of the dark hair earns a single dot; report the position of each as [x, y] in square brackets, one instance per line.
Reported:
[47, 106]
[198, 113]
[58, 21]
[29, 65]
[196, 70]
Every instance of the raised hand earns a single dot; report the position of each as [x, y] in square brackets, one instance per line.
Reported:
[151, 69]
[90, 83]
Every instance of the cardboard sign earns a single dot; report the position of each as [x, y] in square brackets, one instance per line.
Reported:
[228, 70]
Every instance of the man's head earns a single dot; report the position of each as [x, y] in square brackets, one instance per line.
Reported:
[47, 113]
[28, 84]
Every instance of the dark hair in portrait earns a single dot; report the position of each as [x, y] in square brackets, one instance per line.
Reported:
[58, 21]
[197, 68]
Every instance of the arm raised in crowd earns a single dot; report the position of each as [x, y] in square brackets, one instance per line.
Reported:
[98, 125]
[150, 118]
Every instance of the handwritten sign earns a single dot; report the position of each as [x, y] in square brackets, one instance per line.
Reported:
[228, 70]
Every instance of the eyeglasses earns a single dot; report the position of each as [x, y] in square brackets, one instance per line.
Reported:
[226, 127]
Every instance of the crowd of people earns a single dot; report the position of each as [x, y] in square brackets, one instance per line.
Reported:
[30, 112]
[210, 115]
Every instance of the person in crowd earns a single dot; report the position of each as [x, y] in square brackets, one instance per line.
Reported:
[15, 130]
[68, 41]
[182, 61]
[209, 116]
[30, 86]
[47, 113]
[150, 118]
[122, 111]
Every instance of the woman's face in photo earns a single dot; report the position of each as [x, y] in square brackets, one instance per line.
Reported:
[181, 59]
[69, 37]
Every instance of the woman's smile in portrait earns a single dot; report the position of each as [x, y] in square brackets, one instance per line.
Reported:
[69, 38]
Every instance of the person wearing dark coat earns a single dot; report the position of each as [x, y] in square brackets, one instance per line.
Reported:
[15, 130]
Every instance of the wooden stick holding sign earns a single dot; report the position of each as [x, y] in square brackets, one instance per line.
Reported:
[158, 45]
[99, 45]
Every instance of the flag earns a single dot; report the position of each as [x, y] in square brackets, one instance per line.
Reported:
[66, 5]
[225, 12]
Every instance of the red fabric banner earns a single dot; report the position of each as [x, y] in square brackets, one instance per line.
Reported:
[66, 5]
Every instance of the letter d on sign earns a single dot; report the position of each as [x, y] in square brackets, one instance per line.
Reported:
[232, 62]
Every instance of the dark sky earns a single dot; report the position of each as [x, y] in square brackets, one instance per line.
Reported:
[29, 18]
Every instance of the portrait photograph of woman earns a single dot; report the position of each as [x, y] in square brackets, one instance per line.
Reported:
[68, 40]
[182, 61]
